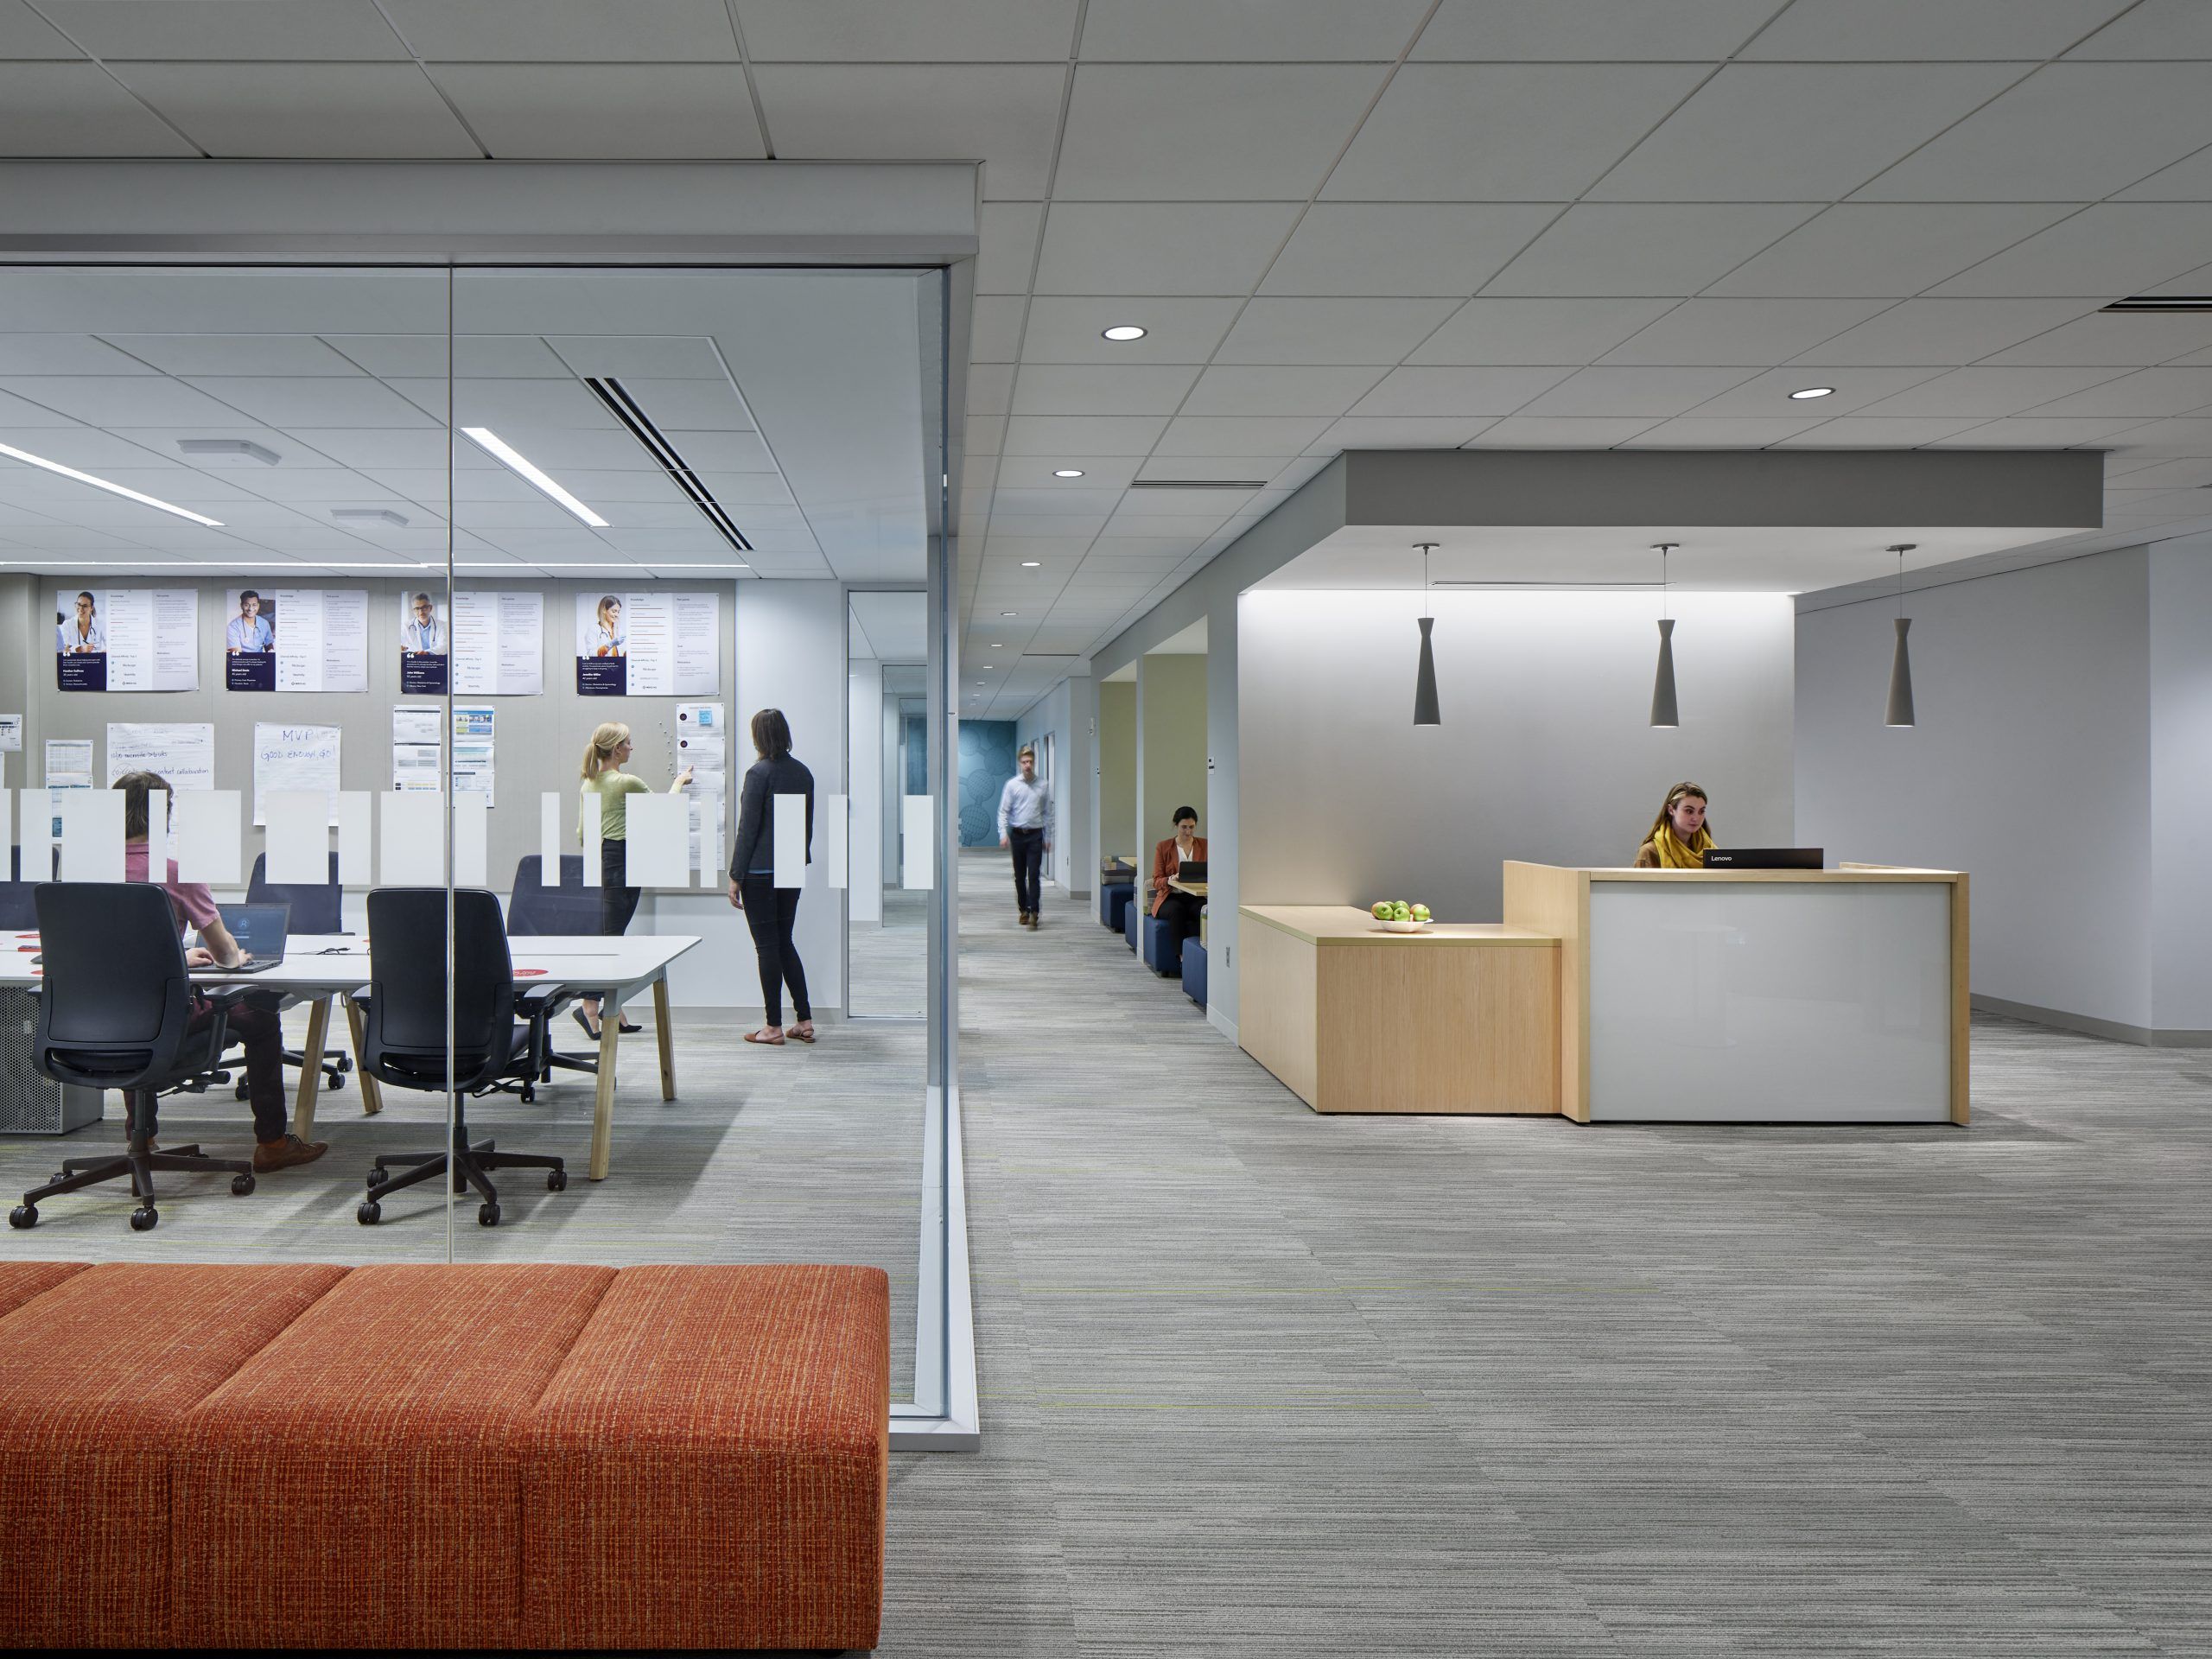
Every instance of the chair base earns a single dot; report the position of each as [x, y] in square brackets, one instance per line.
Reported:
[78, 1173]
[468, 1162]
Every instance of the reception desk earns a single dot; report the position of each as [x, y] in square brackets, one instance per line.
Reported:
[1459, 1017]
[1756, 995]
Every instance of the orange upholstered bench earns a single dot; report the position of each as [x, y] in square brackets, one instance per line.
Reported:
[443, 1457]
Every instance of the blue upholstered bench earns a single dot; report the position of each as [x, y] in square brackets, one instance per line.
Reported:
[1113, 899]
[1132, 913]
[1153, 937]
[1194, 970]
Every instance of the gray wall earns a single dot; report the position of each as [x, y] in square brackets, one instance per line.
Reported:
[1171, 746]
[1545, 752]
[1117, 769]
[2181, 784]
[1067, 864]
[2029, 769]
[16, 612]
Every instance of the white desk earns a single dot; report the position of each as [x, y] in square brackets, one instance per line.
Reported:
[319, 967]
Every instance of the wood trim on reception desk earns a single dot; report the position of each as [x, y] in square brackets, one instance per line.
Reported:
[1546, 898]
[1460, 1017]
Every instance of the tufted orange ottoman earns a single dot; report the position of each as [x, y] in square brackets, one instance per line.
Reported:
[708, 1467]
[356, 1484]
[99, 1374]
[21, 1280]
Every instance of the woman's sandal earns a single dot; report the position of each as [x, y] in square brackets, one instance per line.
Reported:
[806, 1037]
[766, 1042]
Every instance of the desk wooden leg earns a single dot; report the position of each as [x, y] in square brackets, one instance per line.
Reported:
[602, 1110]
[310, 1068]
[665, 1032]
[371, 1090]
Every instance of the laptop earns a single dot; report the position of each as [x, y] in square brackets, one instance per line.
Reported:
[1192, 869]
[1763, 858]
[259, 930]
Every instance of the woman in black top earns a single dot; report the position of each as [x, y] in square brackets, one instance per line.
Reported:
[769, 909]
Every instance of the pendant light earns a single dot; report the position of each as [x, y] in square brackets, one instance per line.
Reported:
[1425, 707]
[1900, 712]
[1663, 709]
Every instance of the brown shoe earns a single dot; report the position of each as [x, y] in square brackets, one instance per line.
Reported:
[282, 1154]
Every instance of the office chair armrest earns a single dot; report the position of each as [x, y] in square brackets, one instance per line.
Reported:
[359, 998]
[225, 997]
[538, 1001]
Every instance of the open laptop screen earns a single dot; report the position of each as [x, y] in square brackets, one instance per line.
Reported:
[259, 929]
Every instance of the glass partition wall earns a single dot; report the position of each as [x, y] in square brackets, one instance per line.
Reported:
[504, 641]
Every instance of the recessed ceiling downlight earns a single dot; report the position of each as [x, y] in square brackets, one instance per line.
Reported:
[1031, 564]
[1123, 331]
[1067, 472]
[1801, 395]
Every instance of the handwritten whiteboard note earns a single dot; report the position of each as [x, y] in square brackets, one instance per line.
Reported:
[184, 753]
[294, 757]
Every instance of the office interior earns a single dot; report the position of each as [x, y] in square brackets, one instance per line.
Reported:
[1414, 438]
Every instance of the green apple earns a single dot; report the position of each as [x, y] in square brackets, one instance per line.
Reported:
[1401, 912]
[1380, 910]
[1420, 913]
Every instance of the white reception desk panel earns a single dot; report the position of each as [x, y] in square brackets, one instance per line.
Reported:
[1769, 1002]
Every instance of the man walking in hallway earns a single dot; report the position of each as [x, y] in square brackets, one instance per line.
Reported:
[1025, 824]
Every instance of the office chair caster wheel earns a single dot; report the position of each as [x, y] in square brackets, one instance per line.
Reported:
[143, 1217]
[241, 1184]
[556, 1180]
[488, 1214]
[238, 1093]
[337, 1081]
[23, 1214]
[369, 1213]
[528, 1093]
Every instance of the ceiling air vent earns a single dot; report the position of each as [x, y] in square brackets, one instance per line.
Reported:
[1199, 484]
[2169, 302]
[625, 409]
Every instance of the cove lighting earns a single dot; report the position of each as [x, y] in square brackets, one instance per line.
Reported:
[493, 443]
[1067, 472]
[1123, 331]
[29, 458]
[1812, 391]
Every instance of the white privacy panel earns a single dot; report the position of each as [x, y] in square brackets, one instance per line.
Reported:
[658, 853]
[92, 835]
[297, 853]
[472, 839]
[209, 825]
[549, 840]
[157, 834]
[706, 839]
[8, 834]
[919, 823]
[411, 841]
[356, 839]
[587, 816]
[35, 840]
[790, 841]
[836, 838]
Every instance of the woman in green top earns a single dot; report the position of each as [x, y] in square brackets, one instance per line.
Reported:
[603, 776]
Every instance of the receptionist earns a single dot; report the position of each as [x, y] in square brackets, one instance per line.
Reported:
[1680, 834]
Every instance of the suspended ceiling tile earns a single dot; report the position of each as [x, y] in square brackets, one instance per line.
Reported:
[1888, 249]
[1854, 389]
[1949, 332]
[24, 34]
[304, 31]
[119, 400]
[306, 401]
[1618, 30]
[1161, 247]
[1917, 30]
[383, 112]
[1989, 391]
[1239, 434]
[615, 112]
[1106, 435]
[1459, 392]
[1403, 248]
[1537, 331]
[550, 31]
[1006, 236]
[1102, 389]
[2114, 336]
[1070, 502]
[1878, 432]
[1505, 132]
[2145, 394]
[1397, 432]
[1168, 469]
[689, 405]
[990, 388]
[1330, 330]
[1753, 333]
[1003, 115]
[1071, 329]
[1560, 432]
[1633, 392]
[30, 353]
[250, 354]
[76, 109]
[976, 31]
[994, 328]
[1280, 390]
[2036, 433]
[1035, 473]
[1722, 432]
[1644, 249]
[2071, 131]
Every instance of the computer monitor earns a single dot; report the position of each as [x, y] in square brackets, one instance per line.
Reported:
[1763, 858]
[259, 929]
[1192, 869]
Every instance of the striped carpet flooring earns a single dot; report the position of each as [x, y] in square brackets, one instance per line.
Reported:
[1261, 1383]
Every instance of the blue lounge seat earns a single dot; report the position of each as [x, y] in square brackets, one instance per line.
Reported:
[1132, 913]
[1194, 970]
[1114, 899]
[1156, 950]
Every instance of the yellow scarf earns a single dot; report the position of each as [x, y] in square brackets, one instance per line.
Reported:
[1673, 855]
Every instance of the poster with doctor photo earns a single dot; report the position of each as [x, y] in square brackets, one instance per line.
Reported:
[425, 645]
[248, 639]
[602, 644]
[81, 639]
[647, 644]
[126, 638]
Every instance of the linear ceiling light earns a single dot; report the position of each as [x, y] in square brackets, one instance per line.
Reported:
[26, 456]
[493, 444]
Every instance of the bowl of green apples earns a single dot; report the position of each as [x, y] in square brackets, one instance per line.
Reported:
[1396, 916]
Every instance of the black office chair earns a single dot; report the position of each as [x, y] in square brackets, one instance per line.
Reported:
[18, 910]
[317, 907]
[534, 910]
[113, 1013]
[404, 1033]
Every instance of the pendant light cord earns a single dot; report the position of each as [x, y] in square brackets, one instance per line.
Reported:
[1425, 549]
[1901, 549]
[1665, 548]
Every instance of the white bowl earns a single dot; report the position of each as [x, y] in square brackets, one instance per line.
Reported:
[1402, 927]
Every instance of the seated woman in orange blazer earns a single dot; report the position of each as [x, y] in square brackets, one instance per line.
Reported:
[1178, 909]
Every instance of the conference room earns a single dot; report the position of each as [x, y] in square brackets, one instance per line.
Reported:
[421, 618]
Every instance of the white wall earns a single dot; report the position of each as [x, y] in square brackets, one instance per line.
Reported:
[1545, 754]
[1053, 714]
[2030, 768]
[791, 640]
[864, 724]
[2181, 785]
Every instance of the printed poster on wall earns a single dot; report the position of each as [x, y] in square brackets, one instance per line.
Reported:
[126, 638]
[648, 644]
[321, 643]
[425, 644]
[499, 645]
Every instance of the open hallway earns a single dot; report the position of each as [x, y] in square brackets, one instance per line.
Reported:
[1261, 1381]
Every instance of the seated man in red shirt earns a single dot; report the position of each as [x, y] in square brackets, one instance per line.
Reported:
[258, 1029]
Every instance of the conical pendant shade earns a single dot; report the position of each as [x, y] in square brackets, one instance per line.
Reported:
[1425, 710]
[1901, 679]
[1664, 711]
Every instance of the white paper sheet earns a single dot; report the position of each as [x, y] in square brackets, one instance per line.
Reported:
[68, 763]
[473, 750]
[11, 734]
[656, 852]
[209, 836]
[184, 753]
[498, 644]
[356, 838]
[294, 757]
